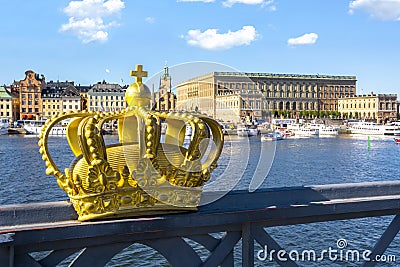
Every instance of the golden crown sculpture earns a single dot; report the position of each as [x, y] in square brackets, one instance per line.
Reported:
[142, 174]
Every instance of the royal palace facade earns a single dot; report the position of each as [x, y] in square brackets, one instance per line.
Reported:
[234, 96]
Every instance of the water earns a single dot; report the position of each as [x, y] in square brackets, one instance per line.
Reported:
[297, 162]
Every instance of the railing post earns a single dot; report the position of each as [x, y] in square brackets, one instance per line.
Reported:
[247, 246]
[7, 250]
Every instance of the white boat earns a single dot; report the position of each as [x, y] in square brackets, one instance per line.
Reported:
[4, 125]
[306, 132]
[371, 128]
[245, 130]
[35, 127]
[328, 131]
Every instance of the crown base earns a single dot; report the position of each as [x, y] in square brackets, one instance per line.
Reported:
[136, 202]
[135, 212]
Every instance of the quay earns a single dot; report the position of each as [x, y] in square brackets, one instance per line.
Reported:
[240, 215]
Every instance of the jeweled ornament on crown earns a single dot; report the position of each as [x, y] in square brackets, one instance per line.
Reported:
[142, 173]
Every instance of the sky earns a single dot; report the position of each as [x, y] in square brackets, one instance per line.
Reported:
[93, 40]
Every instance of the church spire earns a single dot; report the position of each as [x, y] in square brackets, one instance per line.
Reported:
[166, 72]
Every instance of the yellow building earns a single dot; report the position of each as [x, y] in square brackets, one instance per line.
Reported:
[58, 99]
[6, 104]
[256, 94]
[376, 107]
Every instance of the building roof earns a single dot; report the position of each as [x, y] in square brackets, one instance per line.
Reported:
[69, 91]
[258, 75]
[106, 89]
[4, 93]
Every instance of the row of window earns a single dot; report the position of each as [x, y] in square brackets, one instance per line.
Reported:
[4, 106]
[107, 104]
[70, 107]
[4, 114]
[23, 102]
[262, 86]
[54, 100]
[30, 110]
[111, 97]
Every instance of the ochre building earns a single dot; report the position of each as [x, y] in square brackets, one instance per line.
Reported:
[30, 95]
[374, 107]
[234, 96]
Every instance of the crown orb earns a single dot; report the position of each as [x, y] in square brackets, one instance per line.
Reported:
[138, 95]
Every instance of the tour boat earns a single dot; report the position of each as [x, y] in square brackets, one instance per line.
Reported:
[328, 131]
[245, 130]
[323, 130]
[35, 127]
[371, 128]
[4, 125]
[306, 132]
[397, 140]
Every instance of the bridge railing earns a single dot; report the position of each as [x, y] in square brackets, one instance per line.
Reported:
[240, 215]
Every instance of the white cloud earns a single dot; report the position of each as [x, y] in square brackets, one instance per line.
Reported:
[212, 40]
[150, 20]
[87, 18]
[204, 1]
[230, 3]
[308, 38]
[381, 9]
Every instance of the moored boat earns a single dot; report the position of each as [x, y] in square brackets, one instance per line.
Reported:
[371, 128]
[4, 125]
[328, 131]
[306, 132]
[34, 127]
[245, 130]
[275, 136]
[397, 140]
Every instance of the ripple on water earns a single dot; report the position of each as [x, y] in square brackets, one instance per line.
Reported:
[297, 162]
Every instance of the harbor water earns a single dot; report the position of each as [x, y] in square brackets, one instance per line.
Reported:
[296, 162]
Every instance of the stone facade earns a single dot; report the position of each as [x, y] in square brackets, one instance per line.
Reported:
[30, 95]
[62, 97]
[374, 107]
[256, 94]
[106, 97]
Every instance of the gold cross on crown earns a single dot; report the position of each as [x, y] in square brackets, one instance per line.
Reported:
[139, 73]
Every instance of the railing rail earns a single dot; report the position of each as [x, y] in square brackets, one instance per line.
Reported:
[241, 215]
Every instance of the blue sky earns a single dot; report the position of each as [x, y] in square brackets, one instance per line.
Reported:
[91, 40]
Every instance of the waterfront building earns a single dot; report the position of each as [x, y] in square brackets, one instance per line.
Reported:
[374, 107]
[6, 104]
[164, 99]
[255, 95]
[60, 97]
[29, 90]
[106, 97]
